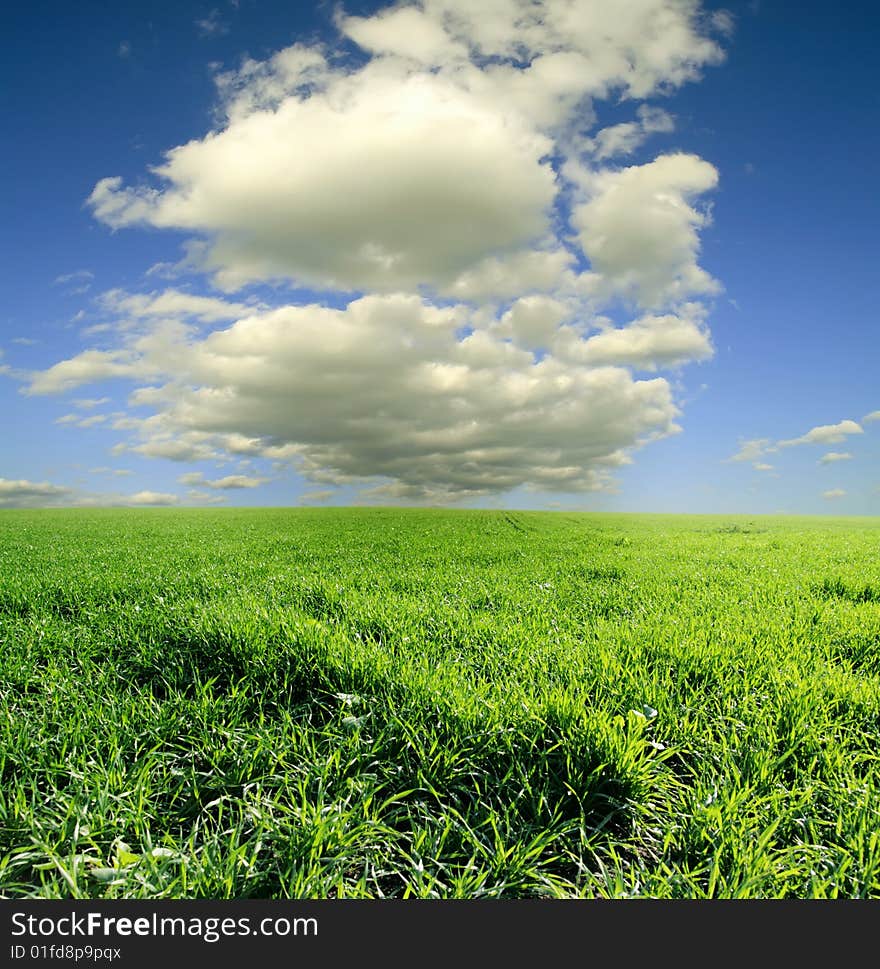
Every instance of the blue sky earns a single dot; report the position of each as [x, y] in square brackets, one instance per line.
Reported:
[270, 254]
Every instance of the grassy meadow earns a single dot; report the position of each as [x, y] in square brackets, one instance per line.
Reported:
[381, 703]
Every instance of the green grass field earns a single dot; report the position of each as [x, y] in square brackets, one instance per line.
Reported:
[416, 703]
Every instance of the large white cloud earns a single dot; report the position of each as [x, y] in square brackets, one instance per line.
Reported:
[391, 387]
[389, 183]
[436, 163]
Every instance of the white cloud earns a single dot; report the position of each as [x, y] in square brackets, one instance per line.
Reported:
[89, 403]
[648, 343]
[391, 388]
[229, 482]
[79, 276]
[636, 45]
[164, 443]
[833, 493]
[235, 481]
[86, 367]
[432, 164]
[824, 434]
[533, 321]
[173, 303]
[623, 139]
[538, 271]
[77, 420]
[762, 466]
[212, 25]
[639, 231]
[756, 448]
[873, 416]
[752, 450]
[205, 497]
[43, 494]
[432, 172]
[406, 32]
[22, 493]
[118, 472]
[76, 283]
[152, 498]
[316, 497]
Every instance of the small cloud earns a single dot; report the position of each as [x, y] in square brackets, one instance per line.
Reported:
[124, 49]
[231, 481]
[92, 421]
[234, 481]
[79, 421]
[152, 498]
[173, 304]
[760, 466]
[78, 275]
[89, 403]
[873, 416]
[749, 168]
[211, 25]
[191, 478]
[24, 341]
[833, 493]
[724, 22]
[164, 270]
[623, 139]
[192, 261]
[833, 456]
[76, 283]
[824, 434]
[172, 449]
[205, 497]
[315, 497]
[752, 450]
[118, 472]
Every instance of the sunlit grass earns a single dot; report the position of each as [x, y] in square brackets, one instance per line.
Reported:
[400, 703]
